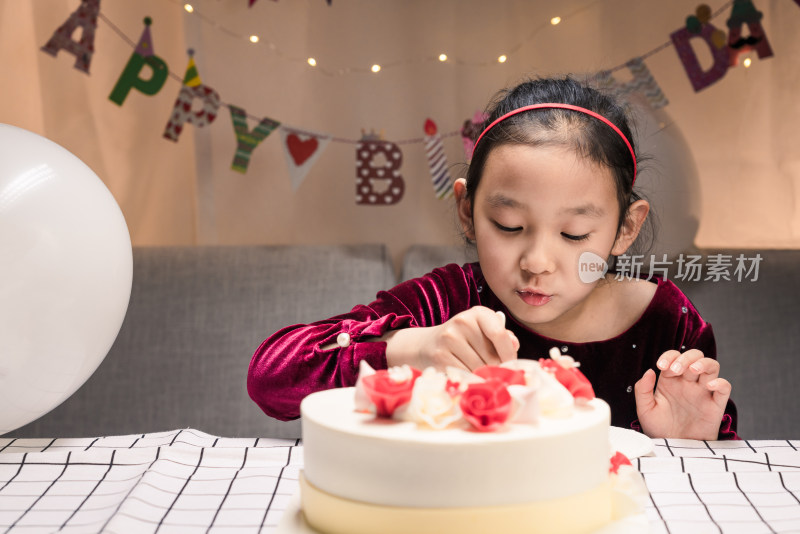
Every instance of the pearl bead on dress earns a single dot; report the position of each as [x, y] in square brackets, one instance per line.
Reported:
[343, 340]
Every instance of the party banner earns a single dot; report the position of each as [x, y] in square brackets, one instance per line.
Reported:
[642, 83]
[302, 150]
[698, 77]
[248, 140]
[130, 78]
[182, 112]
[84, 17]
[744, 12]
[437, 162]
[378, 178]
[471, 129]
[725, 51]
[378, 162]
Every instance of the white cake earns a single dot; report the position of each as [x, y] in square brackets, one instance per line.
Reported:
[545, 469]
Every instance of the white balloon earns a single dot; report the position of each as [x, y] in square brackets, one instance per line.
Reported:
[65, 275]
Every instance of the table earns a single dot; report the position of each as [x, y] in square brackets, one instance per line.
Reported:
[189, 481]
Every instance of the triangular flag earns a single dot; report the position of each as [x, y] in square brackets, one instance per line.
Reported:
[437, 161]
[145, 46]
[302, 150]
[192, 77]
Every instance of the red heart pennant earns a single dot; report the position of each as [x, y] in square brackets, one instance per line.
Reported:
[299, 149]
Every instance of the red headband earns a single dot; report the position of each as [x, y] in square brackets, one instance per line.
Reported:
[561, 106]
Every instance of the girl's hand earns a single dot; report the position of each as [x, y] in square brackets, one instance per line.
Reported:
[689, 399]
[471, 339]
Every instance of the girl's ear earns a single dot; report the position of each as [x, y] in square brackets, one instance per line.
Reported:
[637, 213]
[464, 208]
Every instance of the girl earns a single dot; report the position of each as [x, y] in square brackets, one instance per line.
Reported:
[550, 184]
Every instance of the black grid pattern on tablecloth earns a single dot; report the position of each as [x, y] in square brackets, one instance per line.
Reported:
[188, 481]
[163, 482]
[747, 486]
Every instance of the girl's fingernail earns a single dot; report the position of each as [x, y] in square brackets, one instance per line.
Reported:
[696, 367]
[676, 367]
[662, 364]
[712, 383]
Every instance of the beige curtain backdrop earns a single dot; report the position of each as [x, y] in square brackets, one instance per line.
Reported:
[725, 171]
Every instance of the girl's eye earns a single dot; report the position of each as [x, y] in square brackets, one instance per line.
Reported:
[575, 237]
[507, 228]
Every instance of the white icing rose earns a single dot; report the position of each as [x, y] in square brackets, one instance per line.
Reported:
[399, 373]
[554, 399]
[430, 402]
[526, 404]
[564, 360]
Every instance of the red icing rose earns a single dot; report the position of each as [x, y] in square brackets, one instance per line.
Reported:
[571, 378]
[617, 461]
[486, 405]
[509, 377]
[386, 394]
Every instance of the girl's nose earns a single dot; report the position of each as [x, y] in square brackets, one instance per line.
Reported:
[537, 258]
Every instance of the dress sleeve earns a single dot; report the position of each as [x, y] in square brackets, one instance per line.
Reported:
[301, 359]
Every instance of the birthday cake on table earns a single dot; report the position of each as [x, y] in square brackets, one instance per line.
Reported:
[518, 448]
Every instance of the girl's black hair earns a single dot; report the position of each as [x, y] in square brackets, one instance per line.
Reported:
[588, 136]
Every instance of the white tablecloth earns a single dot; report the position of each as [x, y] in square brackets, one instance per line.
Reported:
[189, 481]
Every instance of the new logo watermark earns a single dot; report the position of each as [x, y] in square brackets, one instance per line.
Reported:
[686, 267]
[591, 267]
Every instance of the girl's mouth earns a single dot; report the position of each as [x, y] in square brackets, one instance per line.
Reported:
[534, 298]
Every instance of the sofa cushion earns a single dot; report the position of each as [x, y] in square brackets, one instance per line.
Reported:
[422, 259]
[196, 316]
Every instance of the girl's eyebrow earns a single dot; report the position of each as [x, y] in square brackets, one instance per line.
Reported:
[499, 200]
[589, 210]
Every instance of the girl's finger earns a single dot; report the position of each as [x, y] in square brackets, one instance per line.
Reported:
[500, 344]
[667, 359]
[721, 389]
[684, 361]
[474, 352]
[706, 369]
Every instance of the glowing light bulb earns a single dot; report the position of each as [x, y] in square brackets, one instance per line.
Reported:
[254, 38]
[555, 20]
[442, 57]
[376, 68]
[747, 62]
[312, 62]
[188, 7]
[502, 59]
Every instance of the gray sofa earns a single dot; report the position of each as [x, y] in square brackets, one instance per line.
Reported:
[197, 314]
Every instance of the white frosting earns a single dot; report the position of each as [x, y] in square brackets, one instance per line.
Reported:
[401, 463]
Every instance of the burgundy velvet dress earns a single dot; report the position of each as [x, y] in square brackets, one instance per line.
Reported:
[291, 363]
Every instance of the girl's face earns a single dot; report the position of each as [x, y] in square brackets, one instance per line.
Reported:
[535, 212]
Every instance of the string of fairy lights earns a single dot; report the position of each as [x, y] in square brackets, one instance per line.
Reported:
[441, 57]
